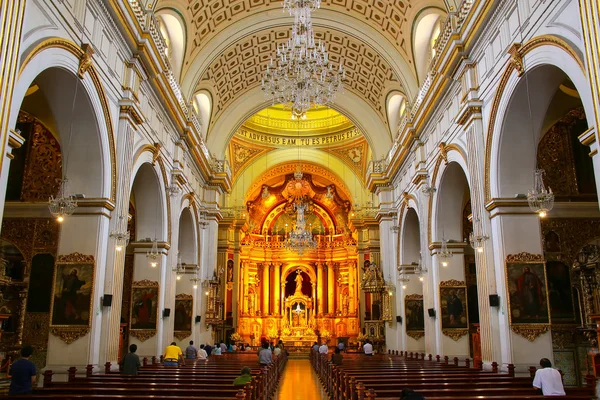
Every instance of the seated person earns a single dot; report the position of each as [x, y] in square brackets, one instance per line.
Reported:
[191, 352]
[548, 379]
[336, 357]
[368, 348]
[315, 346]
[202, 354]
[244, 378]
[265, 357]
[277, 351]
[216, 351]
[173, 354]
[130, 364]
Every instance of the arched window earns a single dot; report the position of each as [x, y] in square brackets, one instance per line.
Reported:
[426, 31]
[395, 107]
[172, 28]
[202, 103]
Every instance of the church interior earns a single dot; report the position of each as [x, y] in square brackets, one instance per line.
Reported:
[419, 174]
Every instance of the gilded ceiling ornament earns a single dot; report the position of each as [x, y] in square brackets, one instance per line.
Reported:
[455, 334]
[143, 334]
[530, 331]
[69, 334]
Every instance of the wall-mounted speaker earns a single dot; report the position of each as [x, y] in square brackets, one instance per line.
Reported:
[107, 300]
[198, 318]
[431, 312]
[494, 300]
[166, 312]
[399, 319]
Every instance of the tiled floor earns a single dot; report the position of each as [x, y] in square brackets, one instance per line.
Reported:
[300, 382]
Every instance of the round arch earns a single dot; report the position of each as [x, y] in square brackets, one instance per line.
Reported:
[553, 58]
[410, 237]
[293, 266]
[147, 183]
[64, 56]
[188, 237]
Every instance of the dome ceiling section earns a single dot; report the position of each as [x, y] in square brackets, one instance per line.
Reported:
[208, 18]
[239, 68]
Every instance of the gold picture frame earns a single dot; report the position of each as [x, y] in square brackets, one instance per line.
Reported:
[454, 308]
[184, 314]
[144, 309]
[414, 324]
[72, 296]
[527, 294]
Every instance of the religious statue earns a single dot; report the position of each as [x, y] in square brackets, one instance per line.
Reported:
[298, 282]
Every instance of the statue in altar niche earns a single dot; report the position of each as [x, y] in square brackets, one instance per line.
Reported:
[298, 282]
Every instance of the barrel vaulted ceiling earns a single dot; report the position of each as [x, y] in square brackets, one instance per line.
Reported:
[229, 42]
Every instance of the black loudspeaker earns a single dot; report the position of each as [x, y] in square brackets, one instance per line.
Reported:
[198, 318]
[399, 318]
[107, 300]
[494, 300]
[166, 312]
[431, 312]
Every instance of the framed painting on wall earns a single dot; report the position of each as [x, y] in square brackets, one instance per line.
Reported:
[453, 302]
[72, 293]
[526, 282]
[144, 309]
[184, 308]
[414, 314]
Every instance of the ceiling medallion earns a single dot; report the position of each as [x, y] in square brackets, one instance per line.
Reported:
[302, 77]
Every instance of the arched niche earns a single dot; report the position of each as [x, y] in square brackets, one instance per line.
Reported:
[410, 249]
[147, 199]
[187, 238]
[202, 103]
[450, 199]
[395, 108]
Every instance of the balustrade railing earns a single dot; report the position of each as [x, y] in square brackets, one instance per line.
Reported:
[149, 24]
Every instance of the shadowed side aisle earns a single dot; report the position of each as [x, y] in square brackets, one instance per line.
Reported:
[299, 382]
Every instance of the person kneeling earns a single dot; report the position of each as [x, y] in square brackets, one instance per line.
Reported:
[548, 379]
[173, 354]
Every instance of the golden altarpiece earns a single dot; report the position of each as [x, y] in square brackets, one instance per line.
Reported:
[297, 296]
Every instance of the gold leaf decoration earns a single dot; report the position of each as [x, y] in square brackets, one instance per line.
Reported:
[145, 283]
[524, 257]
[452, 283]
[416, 334]
[184, 296]
[75, 258]
[530, 331]
[142, 334]
[413, 297]
[455, 334]
[182, 334]
[70, 334]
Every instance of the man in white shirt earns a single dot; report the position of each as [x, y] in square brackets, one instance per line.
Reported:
[202, 353]
[548, 380]
[324, 349]
[368, 348]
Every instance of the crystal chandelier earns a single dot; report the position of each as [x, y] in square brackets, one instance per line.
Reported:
[404, 279]
[300, 239]
[121, 238]
[444, 253]
[178, 269]
[196, 279]
[477, 241]
[421, 270]
[62, 205]
[203, 220]
[302, 77]
[153, 255]
[394, 228]
[540, 199]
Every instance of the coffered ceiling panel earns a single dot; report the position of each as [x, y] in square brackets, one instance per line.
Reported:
[239, 68]
[209, 17]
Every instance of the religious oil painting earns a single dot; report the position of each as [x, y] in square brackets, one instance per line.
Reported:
[527, 292]
[144, 305]
[73, 287]
[453, 300]
[414, 313]
[183, 312]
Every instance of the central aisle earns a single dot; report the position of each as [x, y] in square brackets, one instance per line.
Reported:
[300, 382]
